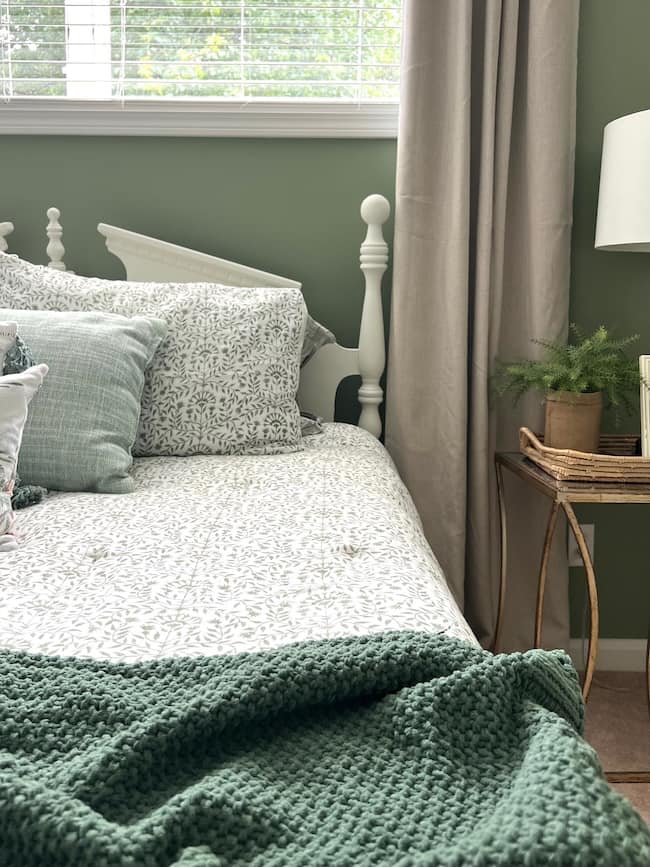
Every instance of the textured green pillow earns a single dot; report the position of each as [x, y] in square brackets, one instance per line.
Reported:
[80, 431]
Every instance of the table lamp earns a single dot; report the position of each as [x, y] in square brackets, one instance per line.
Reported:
[623, 221]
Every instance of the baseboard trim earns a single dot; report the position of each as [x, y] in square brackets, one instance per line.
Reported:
[614, 654]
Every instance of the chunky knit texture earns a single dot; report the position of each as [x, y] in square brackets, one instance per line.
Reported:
[396, 749]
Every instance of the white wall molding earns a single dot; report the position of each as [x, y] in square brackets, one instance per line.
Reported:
[614, 654]
[228, 118]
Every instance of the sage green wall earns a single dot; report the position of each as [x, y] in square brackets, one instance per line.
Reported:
[291, 206]
[611, 288]
[286, 206]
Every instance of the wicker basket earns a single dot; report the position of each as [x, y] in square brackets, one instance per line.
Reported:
[616, 460]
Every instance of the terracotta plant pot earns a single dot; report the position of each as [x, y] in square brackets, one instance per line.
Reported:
[573, 420]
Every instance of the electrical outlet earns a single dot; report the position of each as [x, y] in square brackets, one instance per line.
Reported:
[573, 551]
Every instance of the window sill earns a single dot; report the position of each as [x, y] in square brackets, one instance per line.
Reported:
[223, 118]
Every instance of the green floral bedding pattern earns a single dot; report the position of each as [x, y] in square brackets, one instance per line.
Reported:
[222, 554]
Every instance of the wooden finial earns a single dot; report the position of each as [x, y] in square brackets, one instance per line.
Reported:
[5, 230]
[375, 210]
[55, 249]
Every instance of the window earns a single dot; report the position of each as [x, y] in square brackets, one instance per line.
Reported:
[277, 59]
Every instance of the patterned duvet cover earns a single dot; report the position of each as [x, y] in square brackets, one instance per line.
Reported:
[222, 554]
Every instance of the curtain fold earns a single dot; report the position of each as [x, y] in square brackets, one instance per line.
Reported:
[481, 267]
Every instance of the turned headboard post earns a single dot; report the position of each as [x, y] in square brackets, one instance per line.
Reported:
[5, 230]
[55, 249]
[375, 210]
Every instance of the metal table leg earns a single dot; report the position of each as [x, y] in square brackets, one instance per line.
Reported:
[647, 668]
[504, 557]
[592, 647]
[543, 571]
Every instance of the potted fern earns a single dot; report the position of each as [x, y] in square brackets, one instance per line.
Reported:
[576, 378]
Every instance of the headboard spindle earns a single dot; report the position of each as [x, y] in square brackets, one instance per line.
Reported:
[55, 249]
[5, 230]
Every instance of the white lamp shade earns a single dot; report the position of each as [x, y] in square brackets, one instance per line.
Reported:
[623, 221]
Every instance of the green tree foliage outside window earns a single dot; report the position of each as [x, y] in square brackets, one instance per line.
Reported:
[32, 49]
[304, 49]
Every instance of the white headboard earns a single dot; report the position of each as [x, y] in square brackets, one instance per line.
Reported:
[152, 260]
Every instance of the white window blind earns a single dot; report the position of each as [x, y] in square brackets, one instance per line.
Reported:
[309, 50]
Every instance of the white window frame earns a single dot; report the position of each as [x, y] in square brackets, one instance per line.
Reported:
[219, 118]
[85, 114]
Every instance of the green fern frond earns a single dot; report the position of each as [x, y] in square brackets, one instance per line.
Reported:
[589, 363]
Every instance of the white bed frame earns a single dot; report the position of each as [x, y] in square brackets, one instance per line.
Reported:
[151, 260]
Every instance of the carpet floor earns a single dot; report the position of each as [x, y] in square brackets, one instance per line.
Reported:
[618, 727]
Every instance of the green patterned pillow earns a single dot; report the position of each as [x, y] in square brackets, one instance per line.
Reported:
[226, 377]
[8, 332]
[18, 358]
[316, 336]
[80, 432]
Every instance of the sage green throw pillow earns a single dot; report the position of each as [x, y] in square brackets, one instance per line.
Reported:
[80, 431]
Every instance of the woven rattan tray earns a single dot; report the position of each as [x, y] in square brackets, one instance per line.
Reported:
[616, 460]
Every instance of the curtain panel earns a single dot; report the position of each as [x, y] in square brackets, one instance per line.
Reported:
[482, 260]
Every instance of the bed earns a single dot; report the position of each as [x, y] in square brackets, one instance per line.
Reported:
[256, 661]
[318, 544]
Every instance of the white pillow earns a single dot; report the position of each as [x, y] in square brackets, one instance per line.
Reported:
[16, 391]
[225, 379]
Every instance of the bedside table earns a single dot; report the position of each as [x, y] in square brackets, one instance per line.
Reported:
[562, 496]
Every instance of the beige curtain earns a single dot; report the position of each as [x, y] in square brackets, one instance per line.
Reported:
[481, 266]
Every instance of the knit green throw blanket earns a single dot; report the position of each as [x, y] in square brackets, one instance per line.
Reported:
[401, 749]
